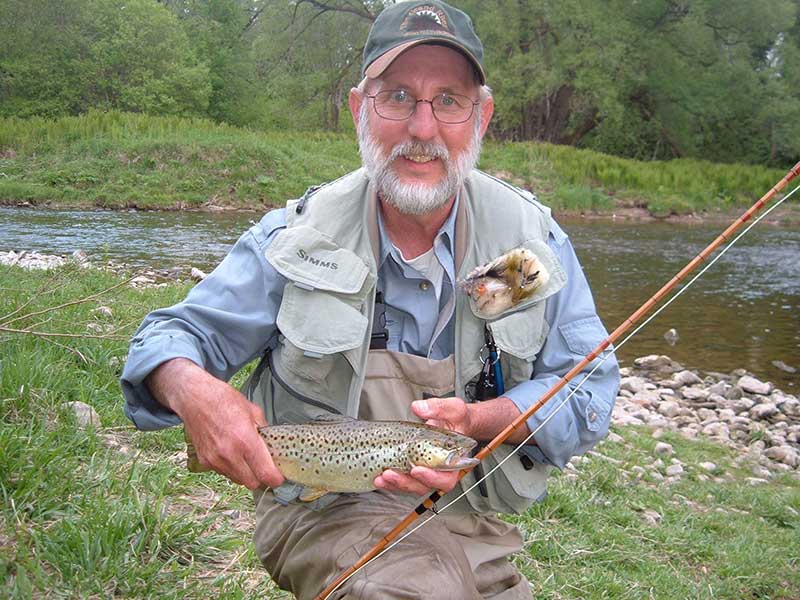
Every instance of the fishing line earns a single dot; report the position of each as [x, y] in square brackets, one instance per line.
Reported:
[558, 407]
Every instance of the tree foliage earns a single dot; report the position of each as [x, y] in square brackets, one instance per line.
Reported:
[65, 57]
[717, 79]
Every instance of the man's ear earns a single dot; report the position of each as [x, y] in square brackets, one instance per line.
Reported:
[487, 110]
[354, 100]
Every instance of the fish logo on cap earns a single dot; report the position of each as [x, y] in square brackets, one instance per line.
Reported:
[425, 19]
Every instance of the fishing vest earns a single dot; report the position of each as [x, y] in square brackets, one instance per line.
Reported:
[328, 255]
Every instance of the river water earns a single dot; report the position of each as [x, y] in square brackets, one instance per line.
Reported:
[744, 312]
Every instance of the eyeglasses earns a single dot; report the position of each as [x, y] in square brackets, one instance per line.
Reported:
[399, 105]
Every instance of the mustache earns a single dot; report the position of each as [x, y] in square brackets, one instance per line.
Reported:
[411, 147]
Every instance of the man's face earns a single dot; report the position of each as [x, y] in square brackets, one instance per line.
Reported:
[418, 164]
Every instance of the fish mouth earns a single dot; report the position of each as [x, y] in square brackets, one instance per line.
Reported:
[458, 460]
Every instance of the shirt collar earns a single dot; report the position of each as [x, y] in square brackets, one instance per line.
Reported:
[446, 234]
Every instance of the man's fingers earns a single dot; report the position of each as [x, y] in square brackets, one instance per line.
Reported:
[400, 482]
[443, 409]
[438, 480]
[258, 415]
[260, 462]
[421, 481]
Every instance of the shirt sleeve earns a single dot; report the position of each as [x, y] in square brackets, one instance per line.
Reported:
[575, 330]
[226, 320]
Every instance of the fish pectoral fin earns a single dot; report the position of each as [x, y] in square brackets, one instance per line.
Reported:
[310, 494]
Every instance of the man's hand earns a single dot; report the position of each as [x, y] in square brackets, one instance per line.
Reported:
[221, 422]
[448, 413]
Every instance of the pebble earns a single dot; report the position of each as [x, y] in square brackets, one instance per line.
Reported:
[751, 385]
[85, 415]
[674, 470]
[654, 362]
[779, 364]
[663, 449]
[755, 481]
[669, 408]
[104, 310]
[651, 517]
[197, 274]
[708, 466]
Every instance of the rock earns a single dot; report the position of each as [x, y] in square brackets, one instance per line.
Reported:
[656, 476]
[763, 411]
[142, 280]
[708, 466]
[762, 472]
[663, 449]
[104, 310]
[717, 430]
[671, 336]
[734, 392]
[674, 470]
[779, 364]
[706, 414]
[726, 414]
[197, 274]
[654, 362]
[694, 393]
[740, 405]
[669, 408]
[85, 415]
[80, 257]
[785, 454]
[790, 407]
[646, 399]
[686, 377]
[616, 438]
[751, 385]
[657, 421]
[754, 481]
[718, 388]
[632, 384]
[651, 517]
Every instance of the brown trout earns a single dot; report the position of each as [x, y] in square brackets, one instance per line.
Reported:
[340, 454]
[505, 281]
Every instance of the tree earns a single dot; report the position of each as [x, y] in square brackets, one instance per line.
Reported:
[67, 57]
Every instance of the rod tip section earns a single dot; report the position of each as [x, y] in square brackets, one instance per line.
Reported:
[795, 171]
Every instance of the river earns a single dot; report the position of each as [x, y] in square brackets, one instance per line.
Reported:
[742, 313]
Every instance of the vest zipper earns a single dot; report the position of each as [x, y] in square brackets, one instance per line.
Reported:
[294, 393]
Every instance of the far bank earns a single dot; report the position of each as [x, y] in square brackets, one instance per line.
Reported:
[123, 161]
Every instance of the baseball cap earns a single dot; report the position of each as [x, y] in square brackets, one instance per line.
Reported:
[404, 25]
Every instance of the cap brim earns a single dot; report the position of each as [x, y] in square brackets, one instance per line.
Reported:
[380, 64]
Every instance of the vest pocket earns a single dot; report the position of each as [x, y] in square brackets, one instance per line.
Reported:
[318, 331]
[521, 335]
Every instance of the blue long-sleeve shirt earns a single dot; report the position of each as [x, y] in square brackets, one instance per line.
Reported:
[228, 319]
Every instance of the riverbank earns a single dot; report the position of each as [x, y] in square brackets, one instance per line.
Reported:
[124, 161]
[668, 506]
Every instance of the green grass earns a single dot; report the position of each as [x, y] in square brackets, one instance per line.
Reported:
[109, 511]
[120, 160]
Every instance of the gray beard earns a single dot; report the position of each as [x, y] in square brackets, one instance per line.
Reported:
[415, 198]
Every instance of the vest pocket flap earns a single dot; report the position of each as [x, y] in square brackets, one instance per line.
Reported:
[530, 484]
[556, 278]
[521, 334]
[307, 256]
[316, 321]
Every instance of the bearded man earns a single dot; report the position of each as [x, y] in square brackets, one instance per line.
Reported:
[350, 297]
